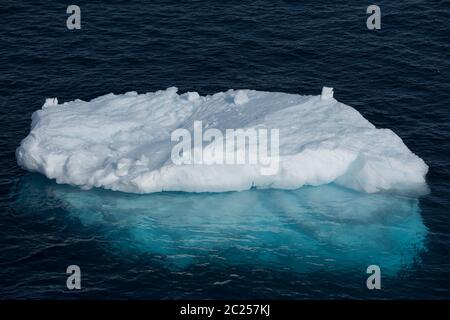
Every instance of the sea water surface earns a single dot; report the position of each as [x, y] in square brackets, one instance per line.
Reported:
[314, 242]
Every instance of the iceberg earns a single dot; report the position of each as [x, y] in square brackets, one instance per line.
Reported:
[123, 143]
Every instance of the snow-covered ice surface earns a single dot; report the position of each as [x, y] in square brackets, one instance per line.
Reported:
[123, 142]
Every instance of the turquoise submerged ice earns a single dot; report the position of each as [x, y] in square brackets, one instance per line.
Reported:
[122, 142]
[325, 228]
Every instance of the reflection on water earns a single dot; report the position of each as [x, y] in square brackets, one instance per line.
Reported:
[310, 229]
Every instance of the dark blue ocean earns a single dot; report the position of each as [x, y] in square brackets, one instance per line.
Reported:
[315, 242]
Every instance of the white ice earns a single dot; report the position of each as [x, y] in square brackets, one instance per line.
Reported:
[122, 142]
